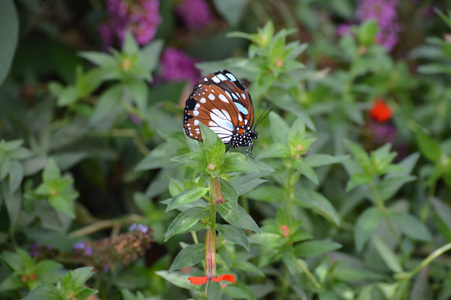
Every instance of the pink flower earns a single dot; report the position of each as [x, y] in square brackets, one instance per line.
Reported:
[384, 12]
[140, 17]
[177, 66]
[194, 13]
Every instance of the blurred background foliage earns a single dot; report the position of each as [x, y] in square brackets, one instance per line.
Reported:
[351, 185]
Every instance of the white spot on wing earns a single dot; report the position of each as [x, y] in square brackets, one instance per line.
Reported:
[244, 96]
[234, 96]
[222, 123]
[202, 100]
[222, 77]
[223, 98]
[228, 94]
[216, 79]
[195, 113]
[211, 97]
[196, 122]
[230, 75]
[241, 108]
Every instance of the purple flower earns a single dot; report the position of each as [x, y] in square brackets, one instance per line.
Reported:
[139, 227]
[383, 132]
[141, 17]
[344, 29]
[384, 12]
[87, 250]
[194, 13]
[177, 66]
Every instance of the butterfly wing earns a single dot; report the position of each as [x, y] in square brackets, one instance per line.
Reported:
[221, 102]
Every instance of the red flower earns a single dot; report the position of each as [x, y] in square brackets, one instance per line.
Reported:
[285, 230]
[380, 111]
[203, 279]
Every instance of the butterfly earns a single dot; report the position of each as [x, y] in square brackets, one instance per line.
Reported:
[222, 103]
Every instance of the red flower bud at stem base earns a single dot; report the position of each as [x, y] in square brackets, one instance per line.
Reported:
[203, 279]
[380, 111]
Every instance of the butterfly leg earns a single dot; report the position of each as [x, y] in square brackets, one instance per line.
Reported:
[249, 153]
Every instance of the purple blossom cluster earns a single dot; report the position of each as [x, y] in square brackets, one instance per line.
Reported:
[122, 249]
[177, 66]
[140, 17]
[194, 13]
[384, 12]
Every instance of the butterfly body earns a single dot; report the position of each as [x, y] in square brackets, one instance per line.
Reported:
[222, 103]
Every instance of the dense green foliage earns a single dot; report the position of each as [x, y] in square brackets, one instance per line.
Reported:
[347, 195]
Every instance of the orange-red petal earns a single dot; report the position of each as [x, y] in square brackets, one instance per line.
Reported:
[380, 111]
[226, 277]
[198, 280]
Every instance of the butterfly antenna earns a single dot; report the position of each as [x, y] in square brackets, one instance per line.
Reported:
[264, 114]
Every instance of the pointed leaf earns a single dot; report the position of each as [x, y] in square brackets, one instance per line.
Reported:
[187, 196]
[189, 256]
[235, 215]
[185, 220]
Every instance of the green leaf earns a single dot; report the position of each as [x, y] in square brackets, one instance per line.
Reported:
[305, 170]
[358, 179]
[268, 194]
[150, 55]
[315, 248]
[443, 212]
[15, 176]
[228, 191]
[187, 196]
[13, 203]
[98, 58]
[225, 255]
[68, 96]
[139, 90]
[279, 129]
[185, 220]
[234, 234]
[63, 204]
[318, 203]
[13, 261]
[428, 146]
[367, 33]
[276, 150]
[12, 283]
[318, 160]
[9, 33]
[246, 183]
[366, 225]
[51, 171]
[88, 82]
[45, 292]
[194, 160]
[236, 292]
[178, 279]
[189, 256]
[387, 255]
[411, 226]
[45, 266]
[358, 153]
[237, 162]
[235, 215]
[108, 101]
[81, 275]
[231, 10]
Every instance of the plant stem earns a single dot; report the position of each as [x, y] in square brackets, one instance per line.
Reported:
[427, 260]
[309, 275]
[380, 205]
[431, 257]
[290, 194]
